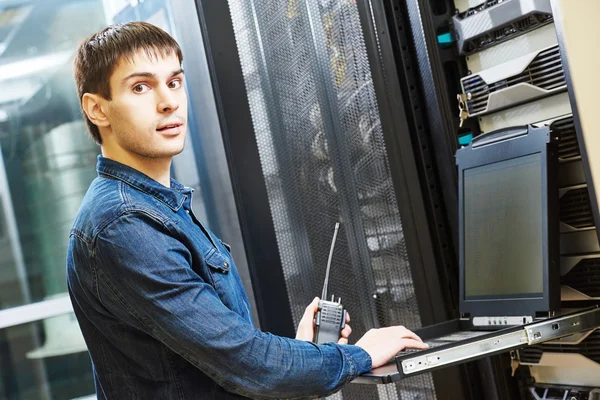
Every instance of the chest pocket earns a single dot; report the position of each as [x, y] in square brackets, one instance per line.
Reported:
[227, 283]
[217, 262]
[227, 247]
[224, 280]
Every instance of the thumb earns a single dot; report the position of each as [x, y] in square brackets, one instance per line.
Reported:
[313, 307]
[306, 325]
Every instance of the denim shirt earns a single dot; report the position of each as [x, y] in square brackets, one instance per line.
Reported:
[163, 310]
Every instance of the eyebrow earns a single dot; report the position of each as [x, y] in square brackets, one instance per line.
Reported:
[150, 75]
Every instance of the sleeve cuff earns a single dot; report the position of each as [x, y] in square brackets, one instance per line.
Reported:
[358, 358]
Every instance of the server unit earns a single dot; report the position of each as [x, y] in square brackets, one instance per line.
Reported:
[533, 76]
[517, 74]
[496, 21]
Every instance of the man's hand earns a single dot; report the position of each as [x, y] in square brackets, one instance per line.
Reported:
[306, 328]
[384, 343]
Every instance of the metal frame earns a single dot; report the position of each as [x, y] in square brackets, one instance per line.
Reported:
[500, 146]
[35, 311]
[394, 113]
[12, 231]
[426, 224]
[431, 130]
[438, 97]
[558, 25]
[245, 169]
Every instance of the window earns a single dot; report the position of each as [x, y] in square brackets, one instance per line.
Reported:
[47, 161]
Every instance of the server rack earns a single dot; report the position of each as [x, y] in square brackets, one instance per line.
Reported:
[535, 27]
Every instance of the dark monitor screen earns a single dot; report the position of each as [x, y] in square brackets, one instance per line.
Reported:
[503, 243]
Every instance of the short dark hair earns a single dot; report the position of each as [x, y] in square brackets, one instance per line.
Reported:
[99, 54]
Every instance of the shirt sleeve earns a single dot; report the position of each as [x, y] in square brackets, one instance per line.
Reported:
[146, 279]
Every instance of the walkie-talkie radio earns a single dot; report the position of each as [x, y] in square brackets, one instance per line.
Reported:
[331, 316]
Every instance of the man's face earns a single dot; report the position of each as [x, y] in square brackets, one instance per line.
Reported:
[148, 106]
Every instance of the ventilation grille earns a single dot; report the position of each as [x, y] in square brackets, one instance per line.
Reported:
[504, 32]
[568, 146]
[480, 8]
[575, 209]
[584, 277]
[319, 136]
[545, 72]
[589, 347]
[557, 392]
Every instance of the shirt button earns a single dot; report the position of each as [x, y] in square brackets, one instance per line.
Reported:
[225, 264]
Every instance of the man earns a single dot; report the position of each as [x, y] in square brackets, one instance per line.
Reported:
[157, 295]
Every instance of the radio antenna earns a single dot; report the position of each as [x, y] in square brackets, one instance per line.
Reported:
[324, 294]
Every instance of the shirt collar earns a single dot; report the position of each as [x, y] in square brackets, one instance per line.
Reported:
[173, 196]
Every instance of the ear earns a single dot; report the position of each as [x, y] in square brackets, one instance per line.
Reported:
[92, 106]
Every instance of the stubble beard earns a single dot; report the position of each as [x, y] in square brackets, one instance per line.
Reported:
[141, 146]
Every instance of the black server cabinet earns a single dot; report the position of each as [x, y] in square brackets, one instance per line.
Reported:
[327, 115]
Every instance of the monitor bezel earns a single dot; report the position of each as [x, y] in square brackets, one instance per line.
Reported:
[498, 146]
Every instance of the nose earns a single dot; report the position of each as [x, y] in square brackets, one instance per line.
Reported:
[167, 101]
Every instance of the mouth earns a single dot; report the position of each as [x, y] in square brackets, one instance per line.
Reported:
[170, 129]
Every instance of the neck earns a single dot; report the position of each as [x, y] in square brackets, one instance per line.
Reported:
[158, 169]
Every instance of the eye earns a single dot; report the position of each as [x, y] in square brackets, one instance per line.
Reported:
[140, 88]
[176, 84]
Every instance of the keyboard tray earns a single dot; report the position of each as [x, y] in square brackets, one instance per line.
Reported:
[452, 348]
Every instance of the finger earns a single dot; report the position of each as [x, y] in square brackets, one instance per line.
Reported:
[347, 316]
[347, 331]
[414, 344]
[312, 308]
[410, 335]
[343, 341]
